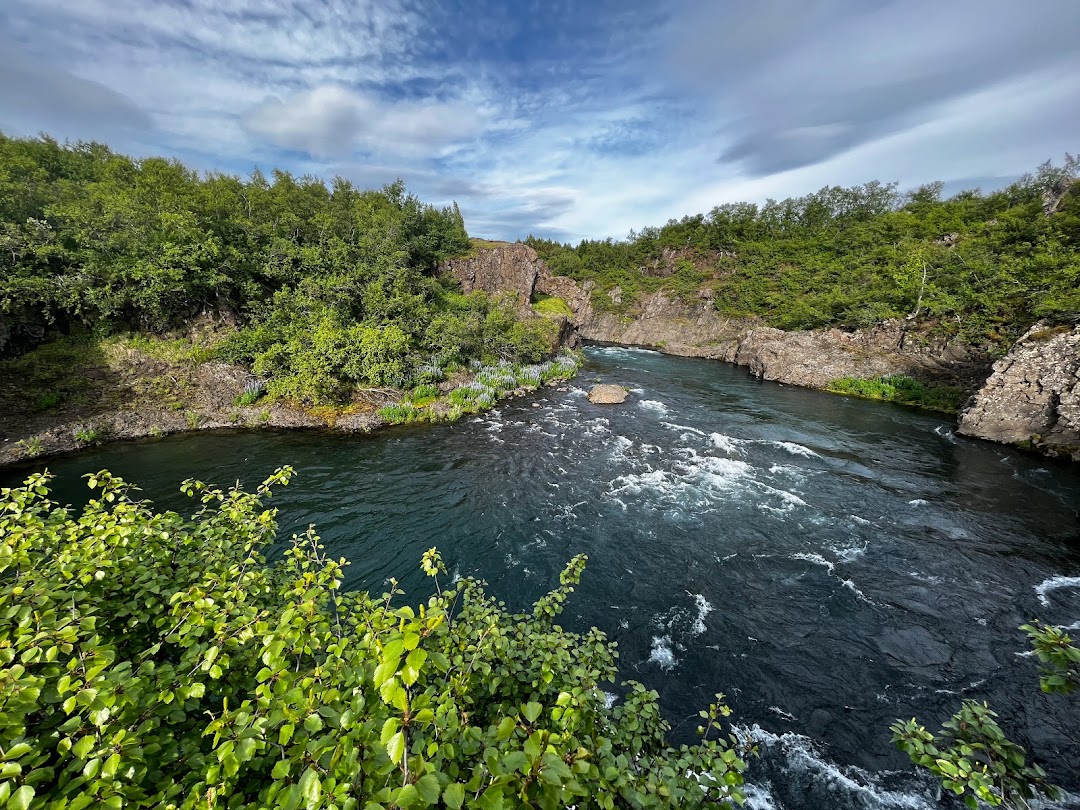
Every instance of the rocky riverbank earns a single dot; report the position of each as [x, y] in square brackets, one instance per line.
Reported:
[1030, 400]
[124, 391]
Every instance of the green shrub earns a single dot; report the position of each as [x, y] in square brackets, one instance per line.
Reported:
[152, 660]
[48, 400]
[401, 413]
[252, 393]
[551, 305]
[89, 434]
[971, 755]
[903, 389]
[31, 447]
[973, 758]
[424, 391]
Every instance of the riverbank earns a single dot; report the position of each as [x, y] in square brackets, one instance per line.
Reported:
[1034, 406]
[134, 387]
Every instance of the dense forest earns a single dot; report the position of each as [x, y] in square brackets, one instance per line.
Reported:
[983, 266]
[333, 286]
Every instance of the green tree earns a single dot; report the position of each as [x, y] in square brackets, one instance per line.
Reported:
[152, 660]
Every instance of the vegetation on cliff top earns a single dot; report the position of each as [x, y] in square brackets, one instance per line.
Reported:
[333, 287]
[984, 266]
[152, 660]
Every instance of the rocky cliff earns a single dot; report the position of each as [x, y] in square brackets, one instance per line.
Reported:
[1033, 395]
[695, 329]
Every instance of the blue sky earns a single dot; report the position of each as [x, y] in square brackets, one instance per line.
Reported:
[563, 119]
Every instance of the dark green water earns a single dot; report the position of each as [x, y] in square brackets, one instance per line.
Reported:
[829, 563]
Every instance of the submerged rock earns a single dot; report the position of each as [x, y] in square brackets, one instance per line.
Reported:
[607, 394]
[1033, 395]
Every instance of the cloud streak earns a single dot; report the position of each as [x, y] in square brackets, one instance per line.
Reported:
[558, 118]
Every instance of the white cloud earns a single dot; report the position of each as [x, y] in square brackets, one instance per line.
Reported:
[332, 122]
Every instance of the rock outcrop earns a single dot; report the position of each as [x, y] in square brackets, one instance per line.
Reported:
[694, 328]
[511, 268]
[605, 394]
[1033, 395]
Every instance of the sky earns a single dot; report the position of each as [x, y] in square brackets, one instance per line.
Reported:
[566, 119]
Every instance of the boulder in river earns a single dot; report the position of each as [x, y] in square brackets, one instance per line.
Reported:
[607, 394]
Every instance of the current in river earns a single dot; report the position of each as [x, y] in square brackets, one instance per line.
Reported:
[830, 564]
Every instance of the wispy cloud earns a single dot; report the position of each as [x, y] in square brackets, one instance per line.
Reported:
[558, 118]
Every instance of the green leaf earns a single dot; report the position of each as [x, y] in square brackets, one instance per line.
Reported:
[407, 797]
[454, 795]
[506, 728]
[532, 711]
[395, 747]
[516, 761]
[21, 798]
[310, 787]
[427, 787]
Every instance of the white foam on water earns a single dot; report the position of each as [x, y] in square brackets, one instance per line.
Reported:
[683, 428]
[621, 351]
[620, 445]
[918, 502]
[847, 583]
[661, 653]
[795, 449]
[758, 797]
[1053, 584]
[704, 608]
[855, 786]
[783, 715]
[650, 448]
[689, 481]
[816, 559]
[653, 405]
[830, 566]
[861, 521]
[798, 473]
[947, 433]
[729, 444]
[597, 427]
[848, 553]
[609, 699]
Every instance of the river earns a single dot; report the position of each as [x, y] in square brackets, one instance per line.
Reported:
[831, 564]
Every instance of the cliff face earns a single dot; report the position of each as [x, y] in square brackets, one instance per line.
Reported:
[696, 329]
[1033, 395]
[512, 268]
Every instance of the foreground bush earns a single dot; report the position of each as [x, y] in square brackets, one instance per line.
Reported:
[151, 660]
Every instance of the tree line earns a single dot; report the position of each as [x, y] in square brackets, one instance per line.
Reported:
[334, 286]
[982, 266]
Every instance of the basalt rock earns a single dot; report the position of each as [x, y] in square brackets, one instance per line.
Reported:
[1033, 395]
[694, 328]
[607, 394]
[512, 268]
